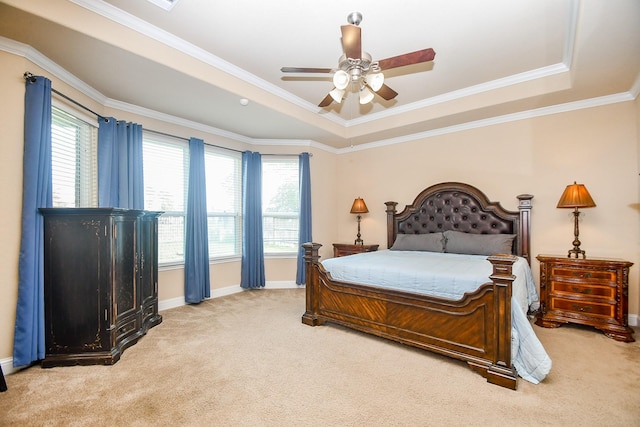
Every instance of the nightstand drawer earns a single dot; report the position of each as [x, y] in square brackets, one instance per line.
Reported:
[584, 275]
[586, 308]
[586, 289]
[343, 249]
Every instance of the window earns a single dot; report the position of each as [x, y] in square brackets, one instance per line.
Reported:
[224, 202]
[166, 166]
[166, 182]
[280, 204]
[166, 172]
[74, 160]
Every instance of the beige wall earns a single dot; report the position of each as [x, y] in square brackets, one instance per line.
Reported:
[11, 117]
[599, 147]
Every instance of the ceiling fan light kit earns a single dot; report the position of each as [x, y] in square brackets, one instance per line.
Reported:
[366, 96]
[337, 95]
[375, 81]
[341, 79]
[355, 65]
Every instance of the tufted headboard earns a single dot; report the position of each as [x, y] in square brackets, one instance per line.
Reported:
[461, 207]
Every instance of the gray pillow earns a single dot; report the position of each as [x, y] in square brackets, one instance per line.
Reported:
[458, 242]
[430, 242]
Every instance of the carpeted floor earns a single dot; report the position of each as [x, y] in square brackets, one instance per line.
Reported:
[247, 360]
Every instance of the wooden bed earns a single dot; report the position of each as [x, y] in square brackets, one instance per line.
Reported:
[476, 328]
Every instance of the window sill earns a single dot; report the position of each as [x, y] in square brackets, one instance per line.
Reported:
[223, 260]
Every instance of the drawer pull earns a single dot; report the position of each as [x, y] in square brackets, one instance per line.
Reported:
[577, 307]
[582, 290]
[586, 275]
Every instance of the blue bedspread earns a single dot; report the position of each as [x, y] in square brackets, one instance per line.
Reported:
[450, 276]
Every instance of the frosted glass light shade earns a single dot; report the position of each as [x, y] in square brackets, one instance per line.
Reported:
[341, 79]
[375, 81]
[366, 96]
[337, 95]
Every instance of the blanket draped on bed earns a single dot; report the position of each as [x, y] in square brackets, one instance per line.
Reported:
[450, 276]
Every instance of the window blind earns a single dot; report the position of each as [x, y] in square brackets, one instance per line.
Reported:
[74, 161]
[280, 204]
[166, 165]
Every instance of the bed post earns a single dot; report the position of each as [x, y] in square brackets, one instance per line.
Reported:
[311, 257]
[502, 372]
[525, 226]
[391, 224]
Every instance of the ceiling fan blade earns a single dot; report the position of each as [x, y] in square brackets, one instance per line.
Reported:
[416, 57]
[386, 92]
[351, 41]
[326, 101]
[305, 70]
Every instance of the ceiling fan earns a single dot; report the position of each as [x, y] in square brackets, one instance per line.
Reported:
[356, 66]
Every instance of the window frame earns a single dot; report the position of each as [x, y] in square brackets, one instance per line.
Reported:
[169, 215]
[293, 253]
[86, 174]
[236, 211]
[151, 137]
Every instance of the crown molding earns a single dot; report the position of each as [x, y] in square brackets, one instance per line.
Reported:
[164, 4]
[515, 79]
[134, 23]
[117, 15]
[40, 60]
[538, 112]
[145, 28]
[571, 32]
[168, 118]
[296, 143]
[26, 51]
[635, 88]
[31, 54]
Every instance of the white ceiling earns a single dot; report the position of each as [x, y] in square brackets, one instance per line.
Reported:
[493, 58]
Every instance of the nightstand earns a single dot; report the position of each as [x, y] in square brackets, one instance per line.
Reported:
[591, 291]
[343, 249]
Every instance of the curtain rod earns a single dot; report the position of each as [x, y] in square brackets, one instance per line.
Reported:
[214, 145]
[29, 76]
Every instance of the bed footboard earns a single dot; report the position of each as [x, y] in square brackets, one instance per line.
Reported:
[476, 329]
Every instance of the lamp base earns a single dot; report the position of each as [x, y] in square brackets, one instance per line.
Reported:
[577, 252]
[358, 240]
[576, 238]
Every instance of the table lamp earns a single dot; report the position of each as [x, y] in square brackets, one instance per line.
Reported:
[359, 207]
[576, 196]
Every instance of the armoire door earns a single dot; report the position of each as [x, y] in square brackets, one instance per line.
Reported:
[77, 265]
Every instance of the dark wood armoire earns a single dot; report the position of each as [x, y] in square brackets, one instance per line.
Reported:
[100, 282]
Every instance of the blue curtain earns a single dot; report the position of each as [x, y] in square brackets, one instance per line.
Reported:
[120, 174]
[197, 285]
[252, 269]
[28, 342]
[304, 235]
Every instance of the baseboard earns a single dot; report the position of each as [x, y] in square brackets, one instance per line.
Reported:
[7, 366]
[285, 284]
[167, 304]
[222, 292]
[633, 320]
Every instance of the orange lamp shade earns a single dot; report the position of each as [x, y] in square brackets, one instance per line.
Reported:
[576, 196]
[359, 207]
